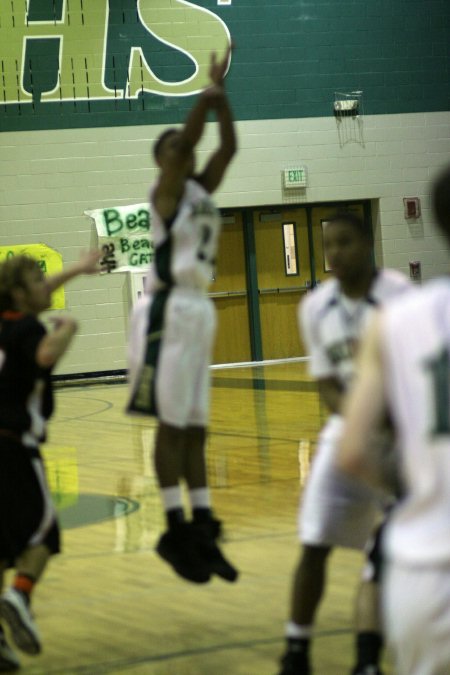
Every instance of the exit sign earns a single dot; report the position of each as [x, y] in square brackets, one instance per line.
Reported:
[294, 177]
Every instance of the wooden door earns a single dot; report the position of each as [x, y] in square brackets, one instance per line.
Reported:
[280, 292]
[229, 292]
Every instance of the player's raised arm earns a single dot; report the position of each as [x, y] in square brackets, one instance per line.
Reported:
[174, 150]
[214, 171]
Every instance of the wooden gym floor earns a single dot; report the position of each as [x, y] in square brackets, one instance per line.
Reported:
[109, 605]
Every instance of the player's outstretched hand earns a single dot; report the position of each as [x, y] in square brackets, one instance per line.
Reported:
[217, 69]
[89, 261]
[64, 322]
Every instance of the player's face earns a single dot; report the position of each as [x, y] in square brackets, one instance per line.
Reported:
[349, 254]
[35, 296]
[167, 150]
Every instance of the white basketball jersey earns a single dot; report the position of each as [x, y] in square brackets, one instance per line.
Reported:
[416, 343]
[332, 324]
[186, 248]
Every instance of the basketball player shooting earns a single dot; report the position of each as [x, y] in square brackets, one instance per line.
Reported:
[173, 329]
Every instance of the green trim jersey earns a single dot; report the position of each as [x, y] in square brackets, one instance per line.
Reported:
[186, 247]
[332, 324]
[416, 353]
[335, 511]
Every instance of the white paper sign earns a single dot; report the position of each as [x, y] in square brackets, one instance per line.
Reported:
[125, 236]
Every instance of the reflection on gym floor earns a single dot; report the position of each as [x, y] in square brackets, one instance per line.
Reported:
[109, 605]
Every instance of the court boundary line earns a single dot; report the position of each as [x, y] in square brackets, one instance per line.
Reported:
[120, 376]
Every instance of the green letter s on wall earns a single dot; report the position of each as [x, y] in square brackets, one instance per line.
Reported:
[176, 25]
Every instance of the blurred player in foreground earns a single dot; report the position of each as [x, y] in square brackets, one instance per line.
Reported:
[405, 375]
[336, 511]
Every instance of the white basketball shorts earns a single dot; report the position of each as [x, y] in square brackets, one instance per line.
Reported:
[335, 510]
[181, 372]
[416, 611]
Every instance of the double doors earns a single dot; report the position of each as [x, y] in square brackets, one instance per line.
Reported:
[269, 258]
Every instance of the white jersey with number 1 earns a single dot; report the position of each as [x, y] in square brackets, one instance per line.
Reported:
[416, 342]
[332, 324]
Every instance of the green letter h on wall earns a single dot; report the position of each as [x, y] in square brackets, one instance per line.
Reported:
[81, 35]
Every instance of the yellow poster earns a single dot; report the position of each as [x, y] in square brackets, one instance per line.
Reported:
[50, 261]
[61, 466]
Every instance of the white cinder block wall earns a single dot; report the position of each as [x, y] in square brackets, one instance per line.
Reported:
[49, 178]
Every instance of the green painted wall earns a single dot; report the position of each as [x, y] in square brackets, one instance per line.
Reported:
[126, 62]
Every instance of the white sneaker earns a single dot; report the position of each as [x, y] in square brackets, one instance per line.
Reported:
[15, 613]
[8, 659]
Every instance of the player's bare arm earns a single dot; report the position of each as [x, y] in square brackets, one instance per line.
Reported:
[176, 161]
[176, 156]
[365, 412]
[87, 264]
[214, 171]
[55, 343]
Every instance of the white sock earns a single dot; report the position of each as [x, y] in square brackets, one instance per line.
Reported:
[172, 497]
[200, 498]
[293, 630]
